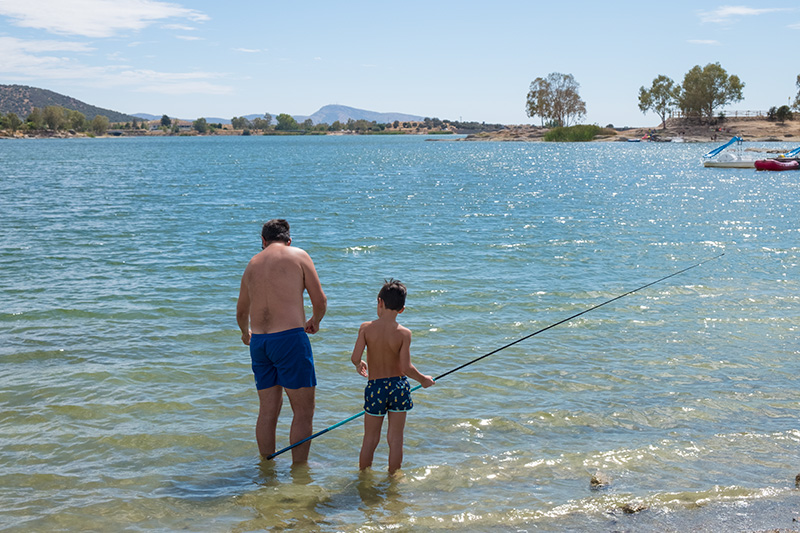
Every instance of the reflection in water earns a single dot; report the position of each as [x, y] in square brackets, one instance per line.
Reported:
[294, 498]
[381, 498]
[284, 499]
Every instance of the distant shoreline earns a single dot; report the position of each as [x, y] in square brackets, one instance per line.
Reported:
[754, 129]
[124, 134]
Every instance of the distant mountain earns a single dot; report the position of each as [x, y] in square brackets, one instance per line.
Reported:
[21, 99]
[147, 116]
[331, 113]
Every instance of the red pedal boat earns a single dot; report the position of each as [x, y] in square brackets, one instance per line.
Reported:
[775, 164]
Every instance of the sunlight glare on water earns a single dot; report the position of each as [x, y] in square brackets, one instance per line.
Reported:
[128, 400]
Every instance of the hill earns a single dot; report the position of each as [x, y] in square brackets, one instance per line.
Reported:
[21, 99]
[331, 113]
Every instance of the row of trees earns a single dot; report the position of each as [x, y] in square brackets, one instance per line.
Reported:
[55, 118]
[703, 91]
[287, 123]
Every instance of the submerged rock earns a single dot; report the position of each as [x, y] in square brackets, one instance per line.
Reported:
[633, 508]
[600, 480]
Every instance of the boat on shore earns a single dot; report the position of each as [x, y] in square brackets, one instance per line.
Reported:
[734, 158]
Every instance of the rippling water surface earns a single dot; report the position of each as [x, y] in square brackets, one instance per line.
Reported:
[127, 401]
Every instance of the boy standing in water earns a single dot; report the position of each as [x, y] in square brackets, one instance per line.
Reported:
[388, 363]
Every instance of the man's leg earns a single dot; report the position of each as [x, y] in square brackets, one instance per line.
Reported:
[270, 401]
[302, 401]
[394, 435]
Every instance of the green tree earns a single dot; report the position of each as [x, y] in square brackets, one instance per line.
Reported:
[166, 121]
[75, 120]
[286, 123]
[240, 123]
[267, 120]
[308, 124]
[200, 125]
[661, 98]
[35, 119]
[100, 124]
[12, 122]
[53, 117]
[708, 88]
[555, 99]
[783, 113]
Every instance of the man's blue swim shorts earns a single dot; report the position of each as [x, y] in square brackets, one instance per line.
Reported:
[387, 394]
[283, 358]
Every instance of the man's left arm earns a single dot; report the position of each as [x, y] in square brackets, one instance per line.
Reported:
[243, 310]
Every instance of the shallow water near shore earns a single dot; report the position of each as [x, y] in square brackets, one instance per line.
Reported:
[128, 402]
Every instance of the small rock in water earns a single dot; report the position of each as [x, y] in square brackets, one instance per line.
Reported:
[797, 480]
[632, 508]
[600, 480]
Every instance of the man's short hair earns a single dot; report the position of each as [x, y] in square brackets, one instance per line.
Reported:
[276, 229]
[393, 294]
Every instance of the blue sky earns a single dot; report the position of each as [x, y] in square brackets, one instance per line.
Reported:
[468, 60]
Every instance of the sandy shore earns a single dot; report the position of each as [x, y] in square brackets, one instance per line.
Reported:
[748, 128]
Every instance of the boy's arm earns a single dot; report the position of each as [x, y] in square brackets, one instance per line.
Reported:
[358, 351]
[405, 362]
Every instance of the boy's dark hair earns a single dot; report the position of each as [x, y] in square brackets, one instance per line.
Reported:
[276, 229]
[393, 294]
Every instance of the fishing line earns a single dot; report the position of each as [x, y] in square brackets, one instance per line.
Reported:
[526, 337]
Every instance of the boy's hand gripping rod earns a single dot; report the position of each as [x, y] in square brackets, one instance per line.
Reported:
[456, 369]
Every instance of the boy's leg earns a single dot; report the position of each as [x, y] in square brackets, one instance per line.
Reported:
[270, 401]
[372, 436]
[302, 401]
[394, 435]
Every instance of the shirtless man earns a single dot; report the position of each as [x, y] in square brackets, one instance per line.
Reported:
[271, 316]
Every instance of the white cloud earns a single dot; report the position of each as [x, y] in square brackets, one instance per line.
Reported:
[189, 38]
[44, 59]
[93, 18]
[247, 50]
[726, 13]
[703, 41]
[12, 45]
[49, 60]
[178, 27]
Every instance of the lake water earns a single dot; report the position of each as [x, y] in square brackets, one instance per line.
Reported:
[127, 401]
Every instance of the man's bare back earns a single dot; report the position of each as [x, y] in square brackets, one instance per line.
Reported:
[272, 291]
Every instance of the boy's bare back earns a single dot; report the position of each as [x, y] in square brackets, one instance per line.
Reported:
[388, 346]
[386, 342]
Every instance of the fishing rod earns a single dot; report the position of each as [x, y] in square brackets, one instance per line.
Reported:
[526, 337]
